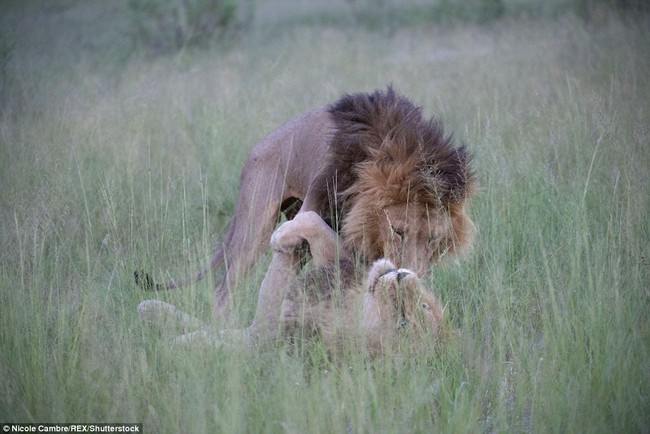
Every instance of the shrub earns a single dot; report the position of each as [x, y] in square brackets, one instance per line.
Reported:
[168, 25]
[469, 10]
[6, 53]
[594, 10]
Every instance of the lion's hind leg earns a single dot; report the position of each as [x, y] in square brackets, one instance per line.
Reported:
[165, 315]
[192, 331]
[207, 337]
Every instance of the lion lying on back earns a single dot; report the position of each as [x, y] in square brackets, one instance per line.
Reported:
[332, 300]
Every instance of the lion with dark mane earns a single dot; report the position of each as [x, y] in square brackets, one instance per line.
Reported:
[370, 165]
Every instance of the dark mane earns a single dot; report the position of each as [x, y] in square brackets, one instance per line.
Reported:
[386, 129]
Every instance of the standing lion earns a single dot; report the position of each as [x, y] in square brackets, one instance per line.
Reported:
[379, 173]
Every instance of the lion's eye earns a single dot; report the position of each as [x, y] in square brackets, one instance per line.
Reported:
[399, 233]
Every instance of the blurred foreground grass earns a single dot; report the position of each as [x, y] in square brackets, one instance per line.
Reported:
[111, 161]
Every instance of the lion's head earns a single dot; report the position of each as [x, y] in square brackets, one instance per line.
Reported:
[412, 234]
[396, 301]
[397, 186]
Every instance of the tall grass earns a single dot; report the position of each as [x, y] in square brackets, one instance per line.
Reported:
[113, 163]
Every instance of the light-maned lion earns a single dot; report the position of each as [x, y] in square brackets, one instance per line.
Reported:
[378, 172]
[345, 307]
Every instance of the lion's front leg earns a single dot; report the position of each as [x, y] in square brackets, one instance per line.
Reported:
[308, 226]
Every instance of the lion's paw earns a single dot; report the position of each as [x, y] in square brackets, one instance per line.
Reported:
[307, 219]
[286, 240]
[290, 236]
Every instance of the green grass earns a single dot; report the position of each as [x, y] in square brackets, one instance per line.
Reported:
[111, 161]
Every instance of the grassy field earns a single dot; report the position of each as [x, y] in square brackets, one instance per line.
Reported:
[112, 160]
